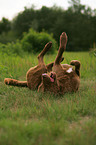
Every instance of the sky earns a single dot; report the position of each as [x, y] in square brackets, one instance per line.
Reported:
[10, 8]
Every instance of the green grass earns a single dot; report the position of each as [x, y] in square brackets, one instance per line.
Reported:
[31, 118]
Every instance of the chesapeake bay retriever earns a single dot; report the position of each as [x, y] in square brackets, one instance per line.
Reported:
[34, 74]
[63, 78]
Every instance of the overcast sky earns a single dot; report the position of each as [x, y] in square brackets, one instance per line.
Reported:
[9, 8]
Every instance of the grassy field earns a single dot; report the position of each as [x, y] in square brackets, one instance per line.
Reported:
[31, 118]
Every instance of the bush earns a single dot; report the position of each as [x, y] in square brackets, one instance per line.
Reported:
[34, 41]
[92, 52]
[31, 42]
[11, 48]
[7, 37]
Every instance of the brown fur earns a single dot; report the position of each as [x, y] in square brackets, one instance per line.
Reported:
[34, 74]
[64, 81]
[60, 80]
[14, 82]
[47, 85]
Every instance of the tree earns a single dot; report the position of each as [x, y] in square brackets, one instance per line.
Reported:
[23, 21]
[78, 21]
[5, 25]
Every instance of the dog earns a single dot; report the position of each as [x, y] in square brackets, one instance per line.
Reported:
[34, 74]
[63, 78]
[53, 77]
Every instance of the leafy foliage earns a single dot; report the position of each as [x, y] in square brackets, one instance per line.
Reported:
[35, 42]
[5, 25]
[11, 49]
[78, 21]
[93, 52]
[7, 37]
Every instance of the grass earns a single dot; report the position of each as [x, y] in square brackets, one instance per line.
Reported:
[30, 118]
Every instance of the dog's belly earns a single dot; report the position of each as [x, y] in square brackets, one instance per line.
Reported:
[34, 74]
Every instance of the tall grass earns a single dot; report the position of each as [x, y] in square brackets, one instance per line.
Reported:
[29, 117]
[17, 66]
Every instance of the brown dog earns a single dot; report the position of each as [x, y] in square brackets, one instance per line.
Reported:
[34, 74]
[63, 78]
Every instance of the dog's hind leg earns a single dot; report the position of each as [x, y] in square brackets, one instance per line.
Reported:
[63, 42]
[77, 64]
[43, 52]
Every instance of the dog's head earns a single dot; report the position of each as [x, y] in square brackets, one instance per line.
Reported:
[49, 82]
[49, 78]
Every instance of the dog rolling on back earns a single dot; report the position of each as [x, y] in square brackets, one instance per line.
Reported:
[63, 78]
[34, 74]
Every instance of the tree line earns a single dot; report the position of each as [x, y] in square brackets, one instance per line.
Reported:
[78, 21]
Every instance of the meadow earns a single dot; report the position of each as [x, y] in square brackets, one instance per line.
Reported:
[31, 118]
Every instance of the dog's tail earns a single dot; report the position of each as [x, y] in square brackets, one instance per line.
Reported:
[14, 82]
[77, 64]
